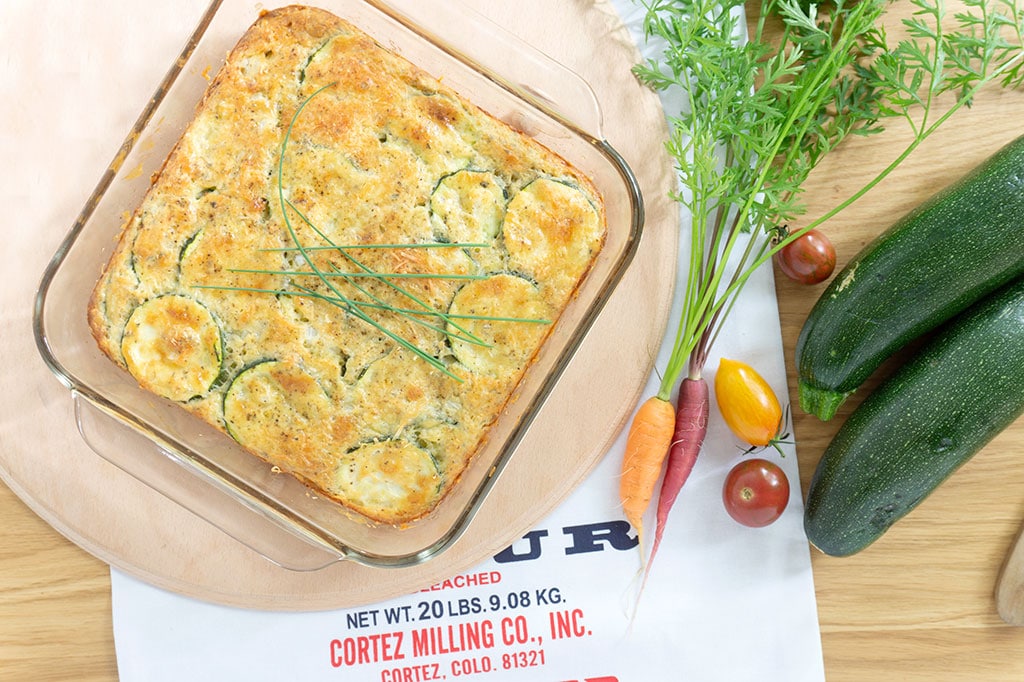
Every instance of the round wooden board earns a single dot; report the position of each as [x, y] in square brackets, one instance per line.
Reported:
[136, 529]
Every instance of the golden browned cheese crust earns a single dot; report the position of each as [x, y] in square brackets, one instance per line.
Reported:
[229, 291]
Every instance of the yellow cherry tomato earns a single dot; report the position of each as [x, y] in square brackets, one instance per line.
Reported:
[747, 403]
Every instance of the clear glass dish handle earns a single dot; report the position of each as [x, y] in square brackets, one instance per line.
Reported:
[145, 460]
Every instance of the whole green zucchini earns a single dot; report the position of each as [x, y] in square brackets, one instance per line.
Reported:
[961, 389]
[961, 244]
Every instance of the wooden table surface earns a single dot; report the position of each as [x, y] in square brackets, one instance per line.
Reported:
[917, 605]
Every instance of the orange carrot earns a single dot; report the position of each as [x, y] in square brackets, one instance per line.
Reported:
[647, 445]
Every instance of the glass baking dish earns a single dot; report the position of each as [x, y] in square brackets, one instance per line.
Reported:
[202, 469]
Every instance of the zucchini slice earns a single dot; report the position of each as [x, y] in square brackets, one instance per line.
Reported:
[468, 206]
[429, 129]
[172, 346]
[153, 256]
[388, 479]
[394, 389]
[189, 246]
[551, 231]
[507, 345]
[163, 235]
[271, 401]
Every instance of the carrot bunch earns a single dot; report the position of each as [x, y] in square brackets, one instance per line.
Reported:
[660, 432]
[761, 114]
[662, 436]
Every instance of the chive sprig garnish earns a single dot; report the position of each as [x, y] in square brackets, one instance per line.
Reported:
[368, 304]
[371, 274]
[365, 268]
[398, 245]
[358, 307]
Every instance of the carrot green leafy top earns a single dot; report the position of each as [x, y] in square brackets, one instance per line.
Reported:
[763, 107]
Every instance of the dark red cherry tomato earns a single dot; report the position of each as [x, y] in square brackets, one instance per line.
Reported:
[808, 259]
[756, 492]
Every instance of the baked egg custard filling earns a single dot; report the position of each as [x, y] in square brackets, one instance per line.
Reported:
[346, 266]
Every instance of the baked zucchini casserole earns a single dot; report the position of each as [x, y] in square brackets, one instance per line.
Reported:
[345, 266]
